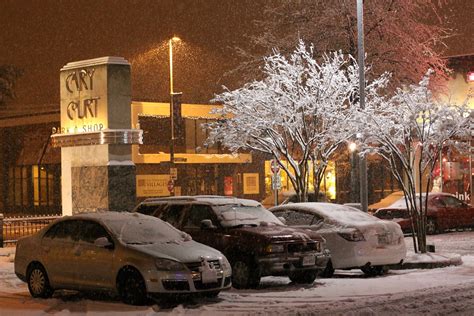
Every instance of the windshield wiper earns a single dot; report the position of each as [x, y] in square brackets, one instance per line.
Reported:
[140, 243]
[242, 225]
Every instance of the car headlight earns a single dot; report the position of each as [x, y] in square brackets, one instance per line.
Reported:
[169, 265]
[225, 264]
[275, 248]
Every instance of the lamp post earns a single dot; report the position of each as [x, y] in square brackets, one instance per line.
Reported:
[361, 59]
[172, 93]
[354, 183]
[173, 171]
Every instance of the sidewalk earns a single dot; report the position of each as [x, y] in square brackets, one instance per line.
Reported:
[428, 260]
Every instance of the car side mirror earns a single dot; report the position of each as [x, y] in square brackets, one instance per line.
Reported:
[207, 224]
[103, 242]
[282, 219]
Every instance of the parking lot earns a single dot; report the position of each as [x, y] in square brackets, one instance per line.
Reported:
[437, 291]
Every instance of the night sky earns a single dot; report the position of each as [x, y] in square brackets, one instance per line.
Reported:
[42, 36]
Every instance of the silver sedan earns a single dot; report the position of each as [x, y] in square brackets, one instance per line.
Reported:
[132, 255]
[355, 239]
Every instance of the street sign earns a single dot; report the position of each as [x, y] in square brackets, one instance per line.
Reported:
[276, 181]
[170, 186]
[274, 166]
[174, 173]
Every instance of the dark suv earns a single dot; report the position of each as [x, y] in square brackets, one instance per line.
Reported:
[255, 241]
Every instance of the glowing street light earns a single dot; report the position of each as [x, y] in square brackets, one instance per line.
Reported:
[470, 76]
[352, 147]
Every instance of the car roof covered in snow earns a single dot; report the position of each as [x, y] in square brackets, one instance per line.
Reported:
[207, 199]
[338, 212]
[401, 203]
[104, 215]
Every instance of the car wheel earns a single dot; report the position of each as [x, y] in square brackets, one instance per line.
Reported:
[38, 282]
[132, 287]
[328, 272]
[431, 226]
[374, 270]
[244, 275]
[304, 277]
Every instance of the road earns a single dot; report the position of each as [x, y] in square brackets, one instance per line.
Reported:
[440, 291]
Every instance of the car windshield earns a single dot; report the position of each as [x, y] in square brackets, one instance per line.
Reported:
[141, 229]
[401, 203]
[237, 215]
[344, 214]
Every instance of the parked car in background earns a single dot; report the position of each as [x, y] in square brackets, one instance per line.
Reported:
[293, 198]
[132, 255]
[255, 241]
[285, 197]
[445, 211]
[355, 239]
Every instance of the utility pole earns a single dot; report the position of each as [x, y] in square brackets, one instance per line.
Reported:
[361, 59]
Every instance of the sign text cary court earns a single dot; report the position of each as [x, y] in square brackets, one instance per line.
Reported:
[84, 111]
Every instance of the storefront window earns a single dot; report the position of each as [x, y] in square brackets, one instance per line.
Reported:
[18, 189]
[328, 183]
[43, 182]
[453, 175]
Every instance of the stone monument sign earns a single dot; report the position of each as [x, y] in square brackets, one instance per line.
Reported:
[95, 136]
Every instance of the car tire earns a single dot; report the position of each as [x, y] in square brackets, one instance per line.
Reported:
[38, 282]
[132, 288]
[374, 270]
[304, 277]
[244, 275]
[431, 226]
[328, 272]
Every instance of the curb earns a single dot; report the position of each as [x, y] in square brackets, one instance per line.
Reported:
[442, 261]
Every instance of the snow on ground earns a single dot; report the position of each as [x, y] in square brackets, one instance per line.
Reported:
[439, 291]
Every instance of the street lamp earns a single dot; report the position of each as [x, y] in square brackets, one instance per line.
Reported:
[361, 55]
[173, 171]
[172, 94]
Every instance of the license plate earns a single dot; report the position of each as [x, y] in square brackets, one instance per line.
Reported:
[309, 261]
[383, 239]
[209, 276]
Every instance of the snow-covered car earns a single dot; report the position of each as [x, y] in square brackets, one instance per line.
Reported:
[445, 211]
[355, 239]
[132, 255]
[256, 242]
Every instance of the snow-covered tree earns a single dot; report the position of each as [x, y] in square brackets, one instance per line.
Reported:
[298, 113]
[403, 37]
[410, 130]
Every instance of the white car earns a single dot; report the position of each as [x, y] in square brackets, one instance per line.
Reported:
[355, 239]
[133, 255]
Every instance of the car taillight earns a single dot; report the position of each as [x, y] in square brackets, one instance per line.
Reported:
[352, 235]
[317, 246]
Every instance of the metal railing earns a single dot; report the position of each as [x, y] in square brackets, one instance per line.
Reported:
[12, 228]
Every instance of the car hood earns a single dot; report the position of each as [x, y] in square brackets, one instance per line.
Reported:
[186, 251]
[275, 233]
[380, 227]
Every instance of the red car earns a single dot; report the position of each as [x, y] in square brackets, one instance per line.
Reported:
[445, 211]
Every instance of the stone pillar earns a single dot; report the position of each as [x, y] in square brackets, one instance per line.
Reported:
[95, 136]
